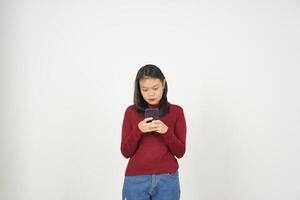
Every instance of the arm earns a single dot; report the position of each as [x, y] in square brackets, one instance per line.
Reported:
[131, 136]
[176, 139]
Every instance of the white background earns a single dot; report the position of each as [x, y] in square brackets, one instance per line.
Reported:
[67, 72]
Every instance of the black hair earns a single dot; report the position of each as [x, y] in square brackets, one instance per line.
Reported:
[151, 71]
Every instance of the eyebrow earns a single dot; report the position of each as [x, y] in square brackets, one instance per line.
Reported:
[150, 87]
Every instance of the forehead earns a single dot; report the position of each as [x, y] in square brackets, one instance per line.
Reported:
[150, 82]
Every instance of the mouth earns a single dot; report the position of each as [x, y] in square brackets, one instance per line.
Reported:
[151, 100]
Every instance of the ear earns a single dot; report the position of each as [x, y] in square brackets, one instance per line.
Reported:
[164, 83]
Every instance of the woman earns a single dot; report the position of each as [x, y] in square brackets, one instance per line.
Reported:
[152, 145]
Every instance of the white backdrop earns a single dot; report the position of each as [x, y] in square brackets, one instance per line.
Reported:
[67, 72]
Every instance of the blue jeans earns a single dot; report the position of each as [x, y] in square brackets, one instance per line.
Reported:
[152, 187]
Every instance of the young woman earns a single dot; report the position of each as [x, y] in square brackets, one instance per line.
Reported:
[152, 145]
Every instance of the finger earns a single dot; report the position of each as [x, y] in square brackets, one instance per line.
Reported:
[157, 122]
[158, 130]
[147, 126]
[148, 119]
[151, 127]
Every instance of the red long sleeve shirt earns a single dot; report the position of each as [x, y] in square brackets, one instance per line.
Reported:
[153, 153]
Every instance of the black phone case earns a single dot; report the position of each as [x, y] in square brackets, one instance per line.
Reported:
[152, 112]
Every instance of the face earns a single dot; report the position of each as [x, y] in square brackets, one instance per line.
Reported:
[152, 89]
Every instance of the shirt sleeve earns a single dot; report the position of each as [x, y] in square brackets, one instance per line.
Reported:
[176, 139]
[131, 136]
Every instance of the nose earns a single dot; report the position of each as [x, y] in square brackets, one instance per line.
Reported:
[150, 94]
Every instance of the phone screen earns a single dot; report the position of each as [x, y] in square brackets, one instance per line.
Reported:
[152, 112]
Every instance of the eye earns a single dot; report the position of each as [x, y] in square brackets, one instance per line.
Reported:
[144, 90]
[155, 88]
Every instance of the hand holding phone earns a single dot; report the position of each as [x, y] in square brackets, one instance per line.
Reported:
[157, 126]
[152, 112]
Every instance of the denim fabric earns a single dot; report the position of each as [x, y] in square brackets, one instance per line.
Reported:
[152, 187]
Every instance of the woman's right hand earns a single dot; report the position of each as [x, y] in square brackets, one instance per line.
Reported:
[146, 126]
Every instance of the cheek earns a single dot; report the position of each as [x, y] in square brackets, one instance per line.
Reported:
[144, 94]
[160, 93]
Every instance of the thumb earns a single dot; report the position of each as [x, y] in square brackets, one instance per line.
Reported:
[148, 119]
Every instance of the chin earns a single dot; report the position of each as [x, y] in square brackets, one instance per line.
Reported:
[153, 103]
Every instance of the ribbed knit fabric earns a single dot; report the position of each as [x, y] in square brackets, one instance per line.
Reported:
[153, 153]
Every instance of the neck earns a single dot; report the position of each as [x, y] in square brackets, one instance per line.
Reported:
[153, 105]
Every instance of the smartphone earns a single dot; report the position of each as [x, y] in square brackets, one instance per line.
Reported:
[152, 112]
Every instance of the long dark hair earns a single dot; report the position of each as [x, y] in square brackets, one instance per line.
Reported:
[151, 71]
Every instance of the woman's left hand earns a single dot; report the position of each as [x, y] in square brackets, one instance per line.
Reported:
[160, 127]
